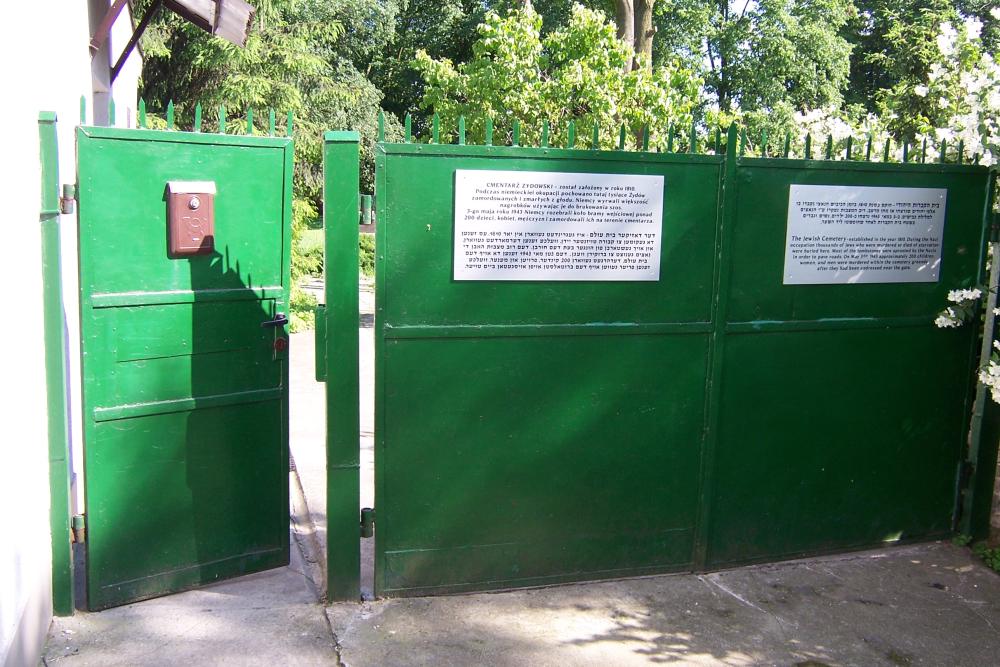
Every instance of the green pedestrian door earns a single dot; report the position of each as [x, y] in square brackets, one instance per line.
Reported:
[184, 357]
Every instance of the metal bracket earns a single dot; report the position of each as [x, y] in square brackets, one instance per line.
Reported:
[68, 198]
[367, 522]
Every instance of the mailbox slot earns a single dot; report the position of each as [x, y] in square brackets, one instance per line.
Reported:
[190, 217]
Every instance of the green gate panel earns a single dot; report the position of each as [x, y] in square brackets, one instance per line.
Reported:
[184, 391]
[757, 246]
[417, 190]
[533, 459]
[535, 432]
[843, 409]
[836, 439]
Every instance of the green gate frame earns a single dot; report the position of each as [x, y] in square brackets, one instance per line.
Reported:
[337, 363]
[56, 373]
[750, 320]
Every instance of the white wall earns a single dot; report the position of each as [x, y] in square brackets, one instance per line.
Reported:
[48, 67]
[126, 103]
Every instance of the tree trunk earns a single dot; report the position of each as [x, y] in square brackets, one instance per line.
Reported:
[625, 19]
[644, 30]
[722, 77]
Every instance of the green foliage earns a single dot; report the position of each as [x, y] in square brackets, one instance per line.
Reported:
[366, 254]
[444, 29]
[895, 48]
[962, 540]
[576, 73]
[989, 556]
[962, 93]
[302, 307]
[298, 58]
[303, 263]
[308, 261]
[762, 62]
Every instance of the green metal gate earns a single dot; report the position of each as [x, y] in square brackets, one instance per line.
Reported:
[532, 432]
[184, 351]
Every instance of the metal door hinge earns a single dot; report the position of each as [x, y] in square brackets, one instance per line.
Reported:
[79, 529]
[964, 477]
[367, 522]
[68, 198]
[965, 470]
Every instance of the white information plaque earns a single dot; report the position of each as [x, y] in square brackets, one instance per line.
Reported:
[539, 225]
[851, 234]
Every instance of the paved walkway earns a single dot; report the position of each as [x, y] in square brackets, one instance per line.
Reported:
[923, 605]
[268, 619]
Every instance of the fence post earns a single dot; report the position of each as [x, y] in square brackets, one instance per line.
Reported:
[340, 222]
[55, 370]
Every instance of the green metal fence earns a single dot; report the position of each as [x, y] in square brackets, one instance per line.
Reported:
[535, 431]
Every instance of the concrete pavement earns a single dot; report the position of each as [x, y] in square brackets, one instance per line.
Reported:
[267, 619]
[921, 605]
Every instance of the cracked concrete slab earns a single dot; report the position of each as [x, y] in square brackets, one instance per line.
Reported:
[917, 605]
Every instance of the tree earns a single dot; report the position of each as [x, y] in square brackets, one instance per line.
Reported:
[963, 90]
[297, 58]
[574, 73]
[443, 29]
[895, 48]
[635, 27]
[761, 61]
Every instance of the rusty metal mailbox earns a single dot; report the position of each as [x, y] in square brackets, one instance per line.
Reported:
[190, 217]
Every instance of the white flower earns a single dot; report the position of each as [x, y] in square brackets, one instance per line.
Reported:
[920, 91]
[943, 134]
[960, 295]
[973, 82]
[990, 377]
[943, 103]
[996, 311]
[996, 344]
[987, 160]
[946, 40]
[944, 322]
[995, 13]
[973, 27]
